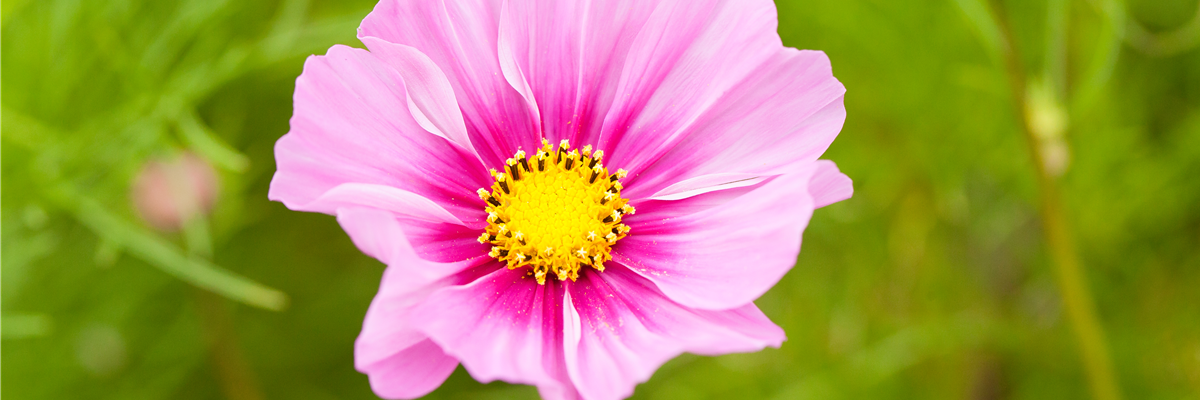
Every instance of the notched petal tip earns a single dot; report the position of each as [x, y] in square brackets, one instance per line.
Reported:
[829, 185]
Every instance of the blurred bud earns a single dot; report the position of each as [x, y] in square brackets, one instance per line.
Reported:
[1055, 156]
[100, 349]
[1047, 120]
[1046, 117]
[169, 192]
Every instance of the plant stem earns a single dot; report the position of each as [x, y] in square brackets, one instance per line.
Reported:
[1077, 300]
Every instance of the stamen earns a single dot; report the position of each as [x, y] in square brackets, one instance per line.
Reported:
[595, 174]
[516, 172]
[524, 160]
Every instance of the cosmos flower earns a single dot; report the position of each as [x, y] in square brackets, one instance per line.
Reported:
[567, 194]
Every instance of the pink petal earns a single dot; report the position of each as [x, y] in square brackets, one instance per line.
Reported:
[430, 96]
[696, 195]
[829, 185]
[725, 256]
[382, 197]
[380, 234]
[784, 113]
[707, 183]
[351, 125]
[398, 358]
[503, 326]
[620, 329]
[460, 37]
[566, 58]
[443, 242]
[411, 373]
[684, 59]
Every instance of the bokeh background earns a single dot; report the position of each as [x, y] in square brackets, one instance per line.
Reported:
[934, 282]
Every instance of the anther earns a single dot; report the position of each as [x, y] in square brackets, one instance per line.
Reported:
[516, 171]
[607, 196]
[523, 159]
[595, 174]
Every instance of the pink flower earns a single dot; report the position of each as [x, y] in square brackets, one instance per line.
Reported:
[567, 193]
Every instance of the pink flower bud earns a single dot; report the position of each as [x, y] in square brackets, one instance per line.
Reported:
[170, 191]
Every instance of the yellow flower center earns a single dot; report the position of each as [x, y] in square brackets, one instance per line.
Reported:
[556, 212]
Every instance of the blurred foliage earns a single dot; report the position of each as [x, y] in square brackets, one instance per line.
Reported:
[932, 282]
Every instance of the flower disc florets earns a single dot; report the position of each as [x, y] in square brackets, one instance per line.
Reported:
[556, 212]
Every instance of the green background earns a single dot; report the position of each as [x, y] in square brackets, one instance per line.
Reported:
[934, 281]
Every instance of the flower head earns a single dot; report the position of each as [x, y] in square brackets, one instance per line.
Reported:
[567, 194]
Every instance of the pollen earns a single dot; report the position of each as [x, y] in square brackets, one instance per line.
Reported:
[555, 212]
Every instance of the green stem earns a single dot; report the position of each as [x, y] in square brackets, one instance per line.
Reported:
[1080, 309]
